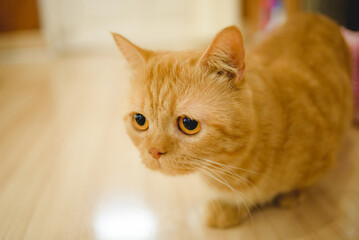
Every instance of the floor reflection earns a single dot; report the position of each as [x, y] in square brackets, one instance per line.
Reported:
[124, 218]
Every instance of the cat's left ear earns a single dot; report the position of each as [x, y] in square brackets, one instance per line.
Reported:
[225, 54]
[134, 55]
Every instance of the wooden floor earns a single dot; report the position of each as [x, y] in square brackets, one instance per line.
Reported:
[68, 170]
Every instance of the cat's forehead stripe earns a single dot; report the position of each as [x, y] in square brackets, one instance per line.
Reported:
[164, 84]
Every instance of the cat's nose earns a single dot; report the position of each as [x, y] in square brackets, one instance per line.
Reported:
[156, 153]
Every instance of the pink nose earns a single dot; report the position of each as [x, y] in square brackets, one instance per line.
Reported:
[156, 153]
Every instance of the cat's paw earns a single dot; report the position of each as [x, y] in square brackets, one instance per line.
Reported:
[223, 214]
[289, 200]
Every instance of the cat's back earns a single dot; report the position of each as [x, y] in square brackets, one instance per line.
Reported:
[306, 38]
[299, 79]
[303, 71]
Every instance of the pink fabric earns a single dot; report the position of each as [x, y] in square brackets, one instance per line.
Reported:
[352, 39]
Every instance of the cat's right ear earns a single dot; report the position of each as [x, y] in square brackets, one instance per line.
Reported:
[134, 55]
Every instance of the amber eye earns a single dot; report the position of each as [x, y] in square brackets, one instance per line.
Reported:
[139, 121]
[188, 126]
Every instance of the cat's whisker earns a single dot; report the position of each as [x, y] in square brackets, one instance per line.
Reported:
[218, 171]
[217, 205]
[218, 174]
[230, 166]
[234, 175]
[211, 175]
[229, 173]
[246, 181]
[227, 168]
[236, 193]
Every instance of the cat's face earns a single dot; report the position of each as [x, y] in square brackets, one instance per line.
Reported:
[186, 107]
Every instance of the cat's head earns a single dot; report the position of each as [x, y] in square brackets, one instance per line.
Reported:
[186, 107]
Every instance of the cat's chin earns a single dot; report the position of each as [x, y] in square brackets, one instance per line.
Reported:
[163, 168]
[175, 172]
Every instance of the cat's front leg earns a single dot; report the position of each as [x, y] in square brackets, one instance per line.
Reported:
[222, 213]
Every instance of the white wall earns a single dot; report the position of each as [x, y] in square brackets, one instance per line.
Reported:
[177, 24]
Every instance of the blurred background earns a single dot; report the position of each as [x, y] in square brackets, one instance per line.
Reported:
[67, 168]
[84, 25]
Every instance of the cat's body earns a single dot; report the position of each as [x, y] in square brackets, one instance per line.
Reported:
[299, 83]
[268, 127]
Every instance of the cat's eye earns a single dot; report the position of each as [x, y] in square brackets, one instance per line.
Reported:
[188, 125]
[139, 121]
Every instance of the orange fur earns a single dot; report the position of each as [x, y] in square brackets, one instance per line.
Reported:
[271, 123]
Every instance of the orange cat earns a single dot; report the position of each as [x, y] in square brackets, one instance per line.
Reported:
[258, 128]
